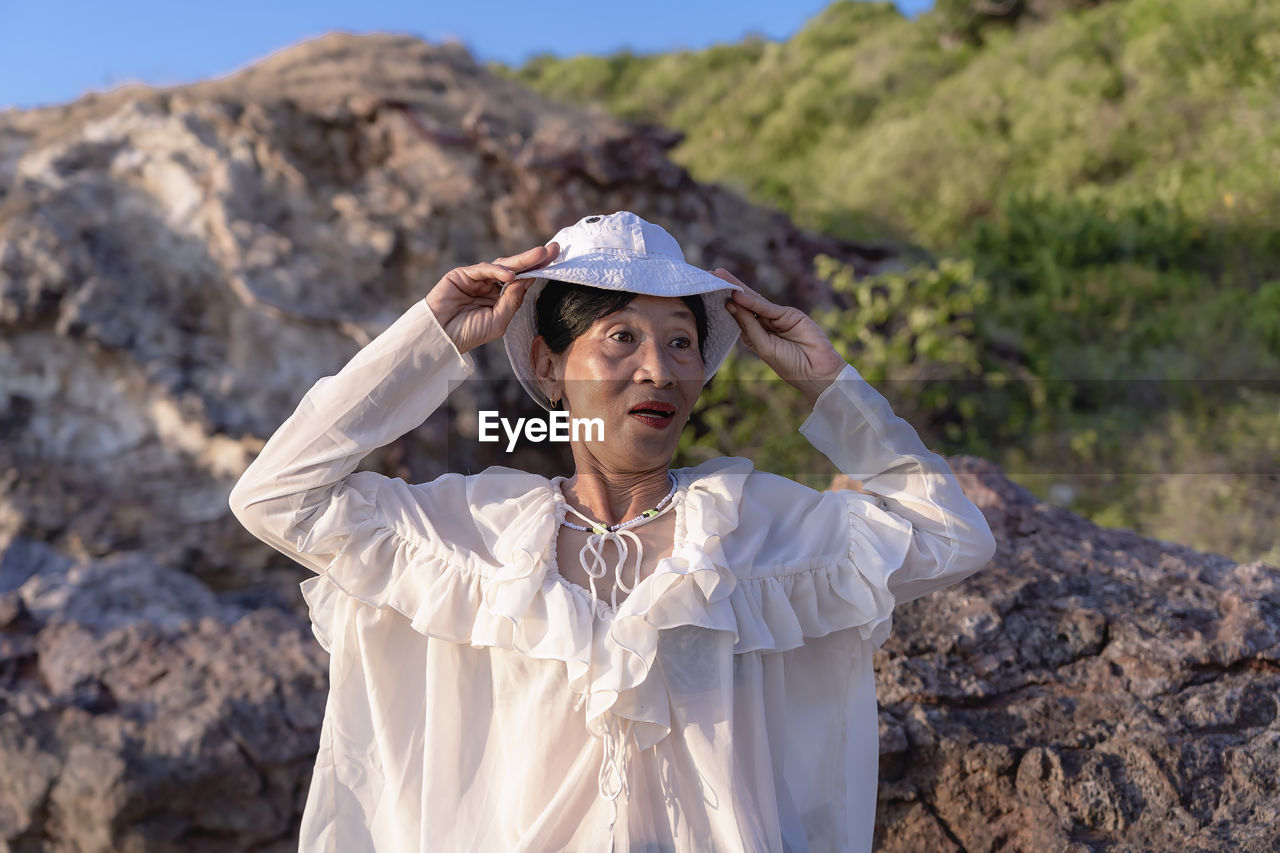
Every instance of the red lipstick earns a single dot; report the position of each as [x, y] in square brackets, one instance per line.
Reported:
[654, 413]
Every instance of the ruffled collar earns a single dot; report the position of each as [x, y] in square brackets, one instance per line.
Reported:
[608, 655]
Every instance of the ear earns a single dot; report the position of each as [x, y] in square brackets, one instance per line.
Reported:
[547, 367]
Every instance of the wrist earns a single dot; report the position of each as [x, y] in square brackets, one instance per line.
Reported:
[434, 303]
[820, 380]
[444, 316]
[812, 388]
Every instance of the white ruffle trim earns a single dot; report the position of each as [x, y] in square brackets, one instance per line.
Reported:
[519, 606]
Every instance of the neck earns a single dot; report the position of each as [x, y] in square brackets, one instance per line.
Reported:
[612, 497]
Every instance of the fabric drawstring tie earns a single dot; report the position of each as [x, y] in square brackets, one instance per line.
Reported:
[597, 567]
[612, 778]
[601, 534]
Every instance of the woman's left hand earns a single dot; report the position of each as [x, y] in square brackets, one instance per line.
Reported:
[787, 339]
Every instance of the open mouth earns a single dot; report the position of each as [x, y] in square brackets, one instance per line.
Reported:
[654, 413]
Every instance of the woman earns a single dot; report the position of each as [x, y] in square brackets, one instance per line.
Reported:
[630, 658]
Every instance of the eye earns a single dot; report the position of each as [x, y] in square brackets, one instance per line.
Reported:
[622, 336]
[682, 342]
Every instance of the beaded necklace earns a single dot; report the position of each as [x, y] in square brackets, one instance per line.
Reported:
[592, 556]
[597, 527]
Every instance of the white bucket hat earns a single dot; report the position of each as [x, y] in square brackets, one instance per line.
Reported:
[621, 251]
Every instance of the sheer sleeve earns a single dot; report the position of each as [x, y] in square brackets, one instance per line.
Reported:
[853, 426]
[302, 495]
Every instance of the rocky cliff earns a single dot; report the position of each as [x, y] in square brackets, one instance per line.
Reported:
[178, 266]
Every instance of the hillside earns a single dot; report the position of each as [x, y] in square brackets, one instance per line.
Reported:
[1109, 171]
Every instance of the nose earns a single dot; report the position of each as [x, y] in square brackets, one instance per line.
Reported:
[655, 364]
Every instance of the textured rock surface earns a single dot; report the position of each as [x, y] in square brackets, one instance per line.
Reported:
[140, 712]
[1089, 690]
[177, 267]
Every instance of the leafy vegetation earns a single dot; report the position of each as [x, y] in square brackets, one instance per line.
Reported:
[1099, 191]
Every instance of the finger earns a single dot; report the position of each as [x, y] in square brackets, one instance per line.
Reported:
[509, 301]
[753, 333]
[481, 280]
[722, 273]
[757, 304]
[553, 252]
[531, 259]
[488, 273]
[771, 309]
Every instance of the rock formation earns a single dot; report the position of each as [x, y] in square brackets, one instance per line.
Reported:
[178, 266]
[138, 711]
[1089, 690]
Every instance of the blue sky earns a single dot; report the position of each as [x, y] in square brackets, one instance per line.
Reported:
[53, 51]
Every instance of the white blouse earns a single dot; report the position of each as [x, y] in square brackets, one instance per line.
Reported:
[476, 701]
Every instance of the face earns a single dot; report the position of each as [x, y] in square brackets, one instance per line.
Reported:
[637, 369]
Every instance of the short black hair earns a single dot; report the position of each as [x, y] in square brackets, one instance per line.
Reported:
[565, 310]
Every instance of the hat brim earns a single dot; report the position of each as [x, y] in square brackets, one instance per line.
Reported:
[654, 276]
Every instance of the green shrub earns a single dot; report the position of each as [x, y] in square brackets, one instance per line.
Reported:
[1102, 190]
[911, 334]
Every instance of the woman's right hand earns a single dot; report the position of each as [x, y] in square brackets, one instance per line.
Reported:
[471, 303]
